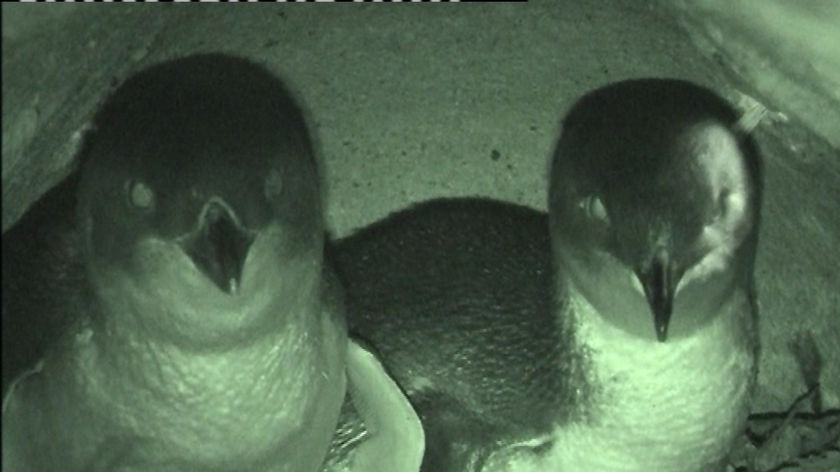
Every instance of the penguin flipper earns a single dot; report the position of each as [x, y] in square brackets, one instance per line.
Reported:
[43, 274]
[16, 422]
[30, 426]
[396, 440]
[28, 438]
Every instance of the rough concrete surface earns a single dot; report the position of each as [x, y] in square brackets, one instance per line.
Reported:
[410, 102]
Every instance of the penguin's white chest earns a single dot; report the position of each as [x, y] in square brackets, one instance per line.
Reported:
[673, 406]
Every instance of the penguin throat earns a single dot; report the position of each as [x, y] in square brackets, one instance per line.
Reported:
[674, 406]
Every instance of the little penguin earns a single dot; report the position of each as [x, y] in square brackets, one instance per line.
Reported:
[167, 307]
[616, 333]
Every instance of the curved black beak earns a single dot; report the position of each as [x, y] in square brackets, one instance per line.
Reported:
[219, 246]
[659, 280]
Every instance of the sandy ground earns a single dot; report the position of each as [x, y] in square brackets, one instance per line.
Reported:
[409, 102]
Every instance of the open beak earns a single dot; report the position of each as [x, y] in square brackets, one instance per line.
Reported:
[219, 246]
[659, 280]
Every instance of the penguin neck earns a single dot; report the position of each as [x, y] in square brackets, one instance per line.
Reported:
[675, 405]
[285, 383]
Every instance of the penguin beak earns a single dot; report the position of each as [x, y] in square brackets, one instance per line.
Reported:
[659, 280]
[219, 246]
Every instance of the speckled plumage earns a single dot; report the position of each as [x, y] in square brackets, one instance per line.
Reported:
[454, 294]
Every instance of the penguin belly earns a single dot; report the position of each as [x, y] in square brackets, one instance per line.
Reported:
[675, 406]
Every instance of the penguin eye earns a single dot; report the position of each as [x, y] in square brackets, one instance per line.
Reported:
[273, 184]
[140, 195]
[594, 209]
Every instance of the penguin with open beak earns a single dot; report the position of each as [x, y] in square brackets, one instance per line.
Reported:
[167, 307]
[615, 334]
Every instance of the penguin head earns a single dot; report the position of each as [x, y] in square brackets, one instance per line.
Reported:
[654, 204]
[199, 202]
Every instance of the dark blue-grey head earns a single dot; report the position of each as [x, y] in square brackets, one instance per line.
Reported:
[654, 203]
[197, 180]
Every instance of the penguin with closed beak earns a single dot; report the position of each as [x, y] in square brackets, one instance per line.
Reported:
[167, 308]
[617, 333]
